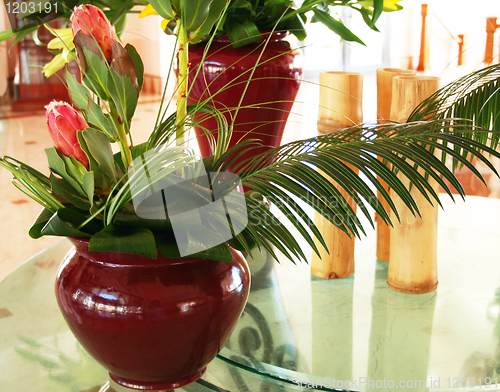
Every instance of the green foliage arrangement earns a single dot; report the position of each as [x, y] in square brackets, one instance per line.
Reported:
[246, 19]
[91, 192]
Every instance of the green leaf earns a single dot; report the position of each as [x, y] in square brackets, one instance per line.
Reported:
[58, 227]
[194, 12]
[378, 7]
[64, 378]
[29, 341]
[164, 8]
[102, 121]
[296, 26]
[167, 246]
[63, 167]
[74, 168]
[88, 186]
[96, 73]
[24, 31]
[137, 241]
[76, 218]
[123, 93]
[204, 22]
[241, 34]
[218, 253]
[118, 162]
[63, 189]
[122, 10]
[6, 34]
[97, 147]
[336, 26]
[79, 94]
[139, 66]
[44, 361]
[127, 216]
[139, 149]
[36, 229]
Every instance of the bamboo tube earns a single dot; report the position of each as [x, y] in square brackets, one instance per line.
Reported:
[384, 97]
[413, 243]
[340, 106]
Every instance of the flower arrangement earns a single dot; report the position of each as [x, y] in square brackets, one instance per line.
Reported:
[135, 201]
[243, 21]
[32, 16]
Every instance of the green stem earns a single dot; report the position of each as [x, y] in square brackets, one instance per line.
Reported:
[183, 83]
[122, 136]
[92, 216]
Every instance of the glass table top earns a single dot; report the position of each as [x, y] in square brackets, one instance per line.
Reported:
[299, 332]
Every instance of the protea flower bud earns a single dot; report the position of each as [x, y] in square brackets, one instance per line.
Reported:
[64, 122]
[91, 21]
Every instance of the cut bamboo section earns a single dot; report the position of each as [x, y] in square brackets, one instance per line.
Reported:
[384, 97]
[413, 242]
[340, 106]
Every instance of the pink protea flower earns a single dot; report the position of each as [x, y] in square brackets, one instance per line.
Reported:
[64, 122]
[91, 21]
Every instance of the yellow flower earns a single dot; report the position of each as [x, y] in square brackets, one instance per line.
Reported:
[64, 42]
[58, 62]
[389, 5]
[149, 10]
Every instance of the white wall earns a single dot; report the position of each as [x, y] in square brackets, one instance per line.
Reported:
[154, 46]
[398, 44]
[446, 19]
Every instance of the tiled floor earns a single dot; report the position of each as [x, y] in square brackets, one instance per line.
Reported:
[25, 136]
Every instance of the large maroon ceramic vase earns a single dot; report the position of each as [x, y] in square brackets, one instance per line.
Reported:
[267, 100]
[153, 324]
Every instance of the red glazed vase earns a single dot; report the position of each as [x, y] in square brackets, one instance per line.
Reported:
[271, 92]
[153, 324]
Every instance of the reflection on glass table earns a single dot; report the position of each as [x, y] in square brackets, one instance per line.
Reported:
[299, 332]
[358, 334]
[38, 353]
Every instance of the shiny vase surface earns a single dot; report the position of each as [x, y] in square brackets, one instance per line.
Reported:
[223, 78]
[153, 324]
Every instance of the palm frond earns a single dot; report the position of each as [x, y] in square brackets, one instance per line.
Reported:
[474, 97]
[291, 172]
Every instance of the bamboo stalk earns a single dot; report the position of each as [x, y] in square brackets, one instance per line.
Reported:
[182, 53]
[413, 242]
[384, 97]
[340, 106]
